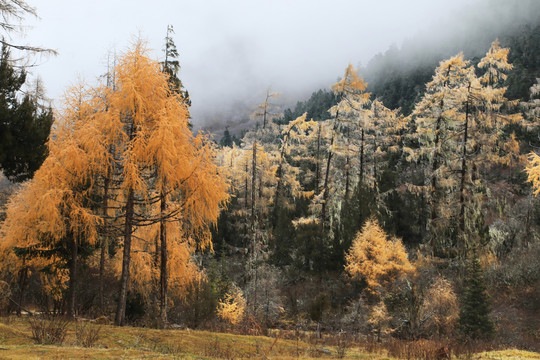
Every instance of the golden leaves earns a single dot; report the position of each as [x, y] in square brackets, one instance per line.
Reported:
[351, 82]
[495, 62]
[376, 258]
[134, 133]
[232, 307]
[533, 172]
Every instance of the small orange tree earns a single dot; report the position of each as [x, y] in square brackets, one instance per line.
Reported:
[375, 258]
[233, 306]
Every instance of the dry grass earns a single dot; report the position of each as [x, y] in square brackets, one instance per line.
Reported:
[130, 343]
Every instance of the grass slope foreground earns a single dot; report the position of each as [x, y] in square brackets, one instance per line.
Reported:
[21, 339]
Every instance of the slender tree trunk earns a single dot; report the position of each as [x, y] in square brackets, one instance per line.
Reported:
[164, 277]
[101, 290]
[464, 171]
[347, 166]
[72, 275]
[253, 205]
[327, 174]
[265, 110]
[435, 165]
[317, 159]
[279, 175]
[277, 196]
[434, 168]
[361, 175]
[23, 276]
[246, 186]
[124, 279]
[374, 165]
[104, 244]
[253, 183]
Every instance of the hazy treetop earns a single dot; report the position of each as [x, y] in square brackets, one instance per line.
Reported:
[230, 52]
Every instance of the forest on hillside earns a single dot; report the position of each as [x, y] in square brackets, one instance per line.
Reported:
[405, 209]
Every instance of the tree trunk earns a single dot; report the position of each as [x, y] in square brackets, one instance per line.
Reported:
[164, 276]
[327, 174]
[347, 166]
[317, 159]
[23, 275]
[361, 175]
[102, 275]
[124, 279]
[435, 165]
[374, 165]
[104, 244]
[464, 171]
[279, 176]
[72, 275]
[246, 186]
[253, 183]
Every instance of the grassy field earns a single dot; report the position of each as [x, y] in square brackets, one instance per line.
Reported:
[109, 342]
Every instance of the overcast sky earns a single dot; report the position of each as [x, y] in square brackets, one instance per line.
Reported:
[230, 51]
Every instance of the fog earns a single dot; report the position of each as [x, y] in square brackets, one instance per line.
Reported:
[231, 51]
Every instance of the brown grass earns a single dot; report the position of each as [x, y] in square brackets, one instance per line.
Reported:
[130, 342]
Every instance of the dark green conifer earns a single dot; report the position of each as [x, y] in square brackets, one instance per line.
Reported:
[171, 67]
[24, 124]
[475, 305]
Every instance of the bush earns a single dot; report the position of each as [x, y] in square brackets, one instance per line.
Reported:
[198, 305]
[232, 307]
[49, 331]
[440, 308]
[5, 293]
[86, 334]
[135, 307]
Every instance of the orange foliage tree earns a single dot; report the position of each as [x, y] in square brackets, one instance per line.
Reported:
[164, 174]
[350, 93]
[51, 214]
[163, 183]
[376, 258]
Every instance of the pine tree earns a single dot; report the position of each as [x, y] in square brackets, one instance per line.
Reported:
[171, 67]
[475, 304]
[24, 125]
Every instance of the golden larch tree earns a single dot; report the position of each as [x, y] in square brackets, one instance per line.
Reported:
[350, 93]
[164, 173]
[52, 211]
[376, 258]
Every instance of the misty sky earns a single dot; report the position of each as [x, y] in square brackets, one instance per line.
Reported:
[230, 51]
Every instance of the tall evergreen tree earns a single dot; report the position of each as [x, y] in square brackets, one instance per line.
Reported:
[171, 67]
[475, 305]
[24, 125]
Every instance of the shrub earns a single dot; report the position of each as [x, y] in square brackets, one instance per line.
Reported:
[49, 331]
[5, 293]
[440, 307]
[86, 334]
[233, 306]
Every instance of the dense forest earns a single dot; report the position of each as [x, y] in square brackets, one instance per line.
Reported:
[400, 207]
[320, 202]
